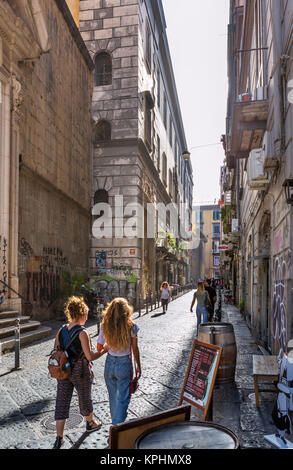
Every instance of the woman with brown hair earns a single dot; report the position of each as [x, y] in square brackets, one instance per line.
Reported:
[165, 295]
[120, 334]
[202, 297]
[80, 356]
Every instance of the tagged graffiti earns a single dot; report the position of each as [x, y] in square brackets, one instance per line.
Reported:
[43, 274]
[110, 289]
[53, 260]
[25, 249]
[279, 306]
[42, 287]
[3, 259]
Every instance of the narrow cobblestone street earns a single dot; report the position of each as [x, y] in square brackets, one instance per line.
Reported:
[28, 395]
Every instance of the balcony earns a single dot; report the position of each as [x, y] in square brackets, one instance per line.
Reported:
[250, 108]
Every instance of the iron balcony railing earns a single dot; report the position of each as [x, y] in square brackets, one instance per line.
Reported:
[250, 74]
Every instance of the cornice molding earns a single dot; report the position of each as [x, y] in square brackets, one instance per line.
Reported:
[15, 32]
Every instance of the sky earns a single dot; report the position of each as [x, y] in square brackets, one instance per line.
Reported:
[197, 36]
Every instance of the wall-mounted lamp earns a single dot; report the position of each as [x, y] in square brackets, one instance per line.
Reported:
[186, 155]
[288, 185]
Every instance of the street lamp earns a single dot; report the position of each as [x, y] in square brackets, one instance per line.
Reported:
[186, 155]
[288, 185]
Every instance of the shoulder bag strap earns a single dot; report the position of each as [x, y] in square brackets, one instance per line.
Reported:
[132, 358]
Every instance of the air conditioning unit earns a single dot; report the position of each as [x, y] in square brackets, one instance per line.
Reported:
[256, 176]
[270, 163]
[260, 93]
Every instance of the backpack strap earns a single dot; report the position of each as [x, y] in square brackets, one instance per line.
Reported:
[71, 336]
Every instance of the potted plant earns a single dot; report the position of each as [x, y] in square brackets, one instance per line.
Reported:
[241, 305]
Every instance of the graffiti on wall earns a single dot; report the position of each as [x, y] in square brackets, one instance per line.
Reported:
[42, 287]
[3, 259]
[279, 304]
[42, 274]
[113, 288]
[115, 277]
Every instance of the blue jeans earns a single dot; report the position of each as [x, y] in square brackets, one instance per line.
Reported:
[201, 310]
[117, 376]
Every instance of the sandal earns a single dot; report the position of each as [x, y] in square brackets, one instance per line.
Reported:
[92, 425]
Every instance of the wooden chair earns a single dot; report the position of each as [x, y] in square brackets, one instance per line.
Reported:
[124, 435]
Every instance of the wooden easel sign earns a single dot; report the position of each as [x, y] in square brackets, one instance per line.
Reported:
[201, 375]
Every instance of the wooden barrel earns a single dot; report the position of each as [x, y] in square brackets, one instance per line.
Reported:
[187, 435]
[221, 334]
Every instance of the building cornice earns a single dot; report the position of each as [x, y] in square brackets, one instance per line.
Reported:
[15, 32]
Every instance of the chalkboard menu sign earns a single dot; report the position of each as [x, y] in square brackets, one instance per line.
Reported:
[201, 375]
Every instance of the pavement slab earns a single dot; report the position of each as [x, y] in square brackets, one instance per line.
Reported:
[165, 341]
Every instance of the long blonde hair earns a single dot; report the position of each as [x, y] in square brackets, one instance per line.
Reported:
[200, 287]
[117, 324]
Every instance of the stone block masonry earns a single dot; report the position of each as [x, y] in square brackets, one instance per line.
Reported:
[55, 172]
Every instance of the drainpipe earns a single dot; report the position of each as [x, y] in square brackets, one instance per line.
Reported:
[279, 130]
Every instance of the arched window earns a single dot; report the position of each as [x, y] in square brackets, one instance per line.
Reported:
[102, 131]
[103, 69]
[101, 196]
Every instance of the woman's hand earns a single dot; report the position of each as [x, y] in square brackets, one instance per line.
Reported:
[138, 373]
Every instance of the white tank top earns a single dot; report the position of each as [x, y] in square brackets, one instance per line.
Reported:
[165, 293]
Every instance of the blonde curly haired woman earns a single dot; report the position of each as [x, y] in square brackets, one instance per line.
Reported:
[80, 356]
[120, 334]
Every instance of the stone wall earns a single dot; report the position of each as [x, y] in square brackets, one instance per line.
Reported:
[55, 164]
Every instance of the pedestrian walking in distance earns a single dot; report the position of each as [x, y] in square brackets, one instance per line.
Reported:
[120, 334]
[165, 295]
[213, 298]
[202, 297]
[80, 354]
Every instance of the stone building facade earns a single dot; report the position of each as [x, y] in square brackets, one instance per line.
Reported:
[139, 141]
[46, 159]
[259, 153]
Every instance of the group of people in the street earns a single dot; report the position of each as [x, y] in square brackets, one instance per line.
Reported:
[117, 338]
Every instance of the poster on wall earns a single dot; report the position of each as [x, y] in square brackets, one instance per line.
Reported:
[201, 375]
[101, 259]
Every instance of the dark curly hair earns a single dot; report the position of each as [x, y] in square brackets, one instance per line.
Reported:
[75, 308]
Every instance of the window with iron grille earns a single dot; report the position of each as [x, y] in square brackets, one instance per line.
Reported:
[101, 196]
[103, 69]
[102, 131]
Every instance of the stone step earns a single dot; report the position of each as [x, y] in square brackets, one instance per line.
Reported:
[7, 344]
[8, 313]
[9, 330]
[4, 322]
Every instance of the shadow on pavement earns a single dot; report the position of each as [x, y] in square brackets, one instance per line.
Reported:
[80, 441]
[33, 408]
